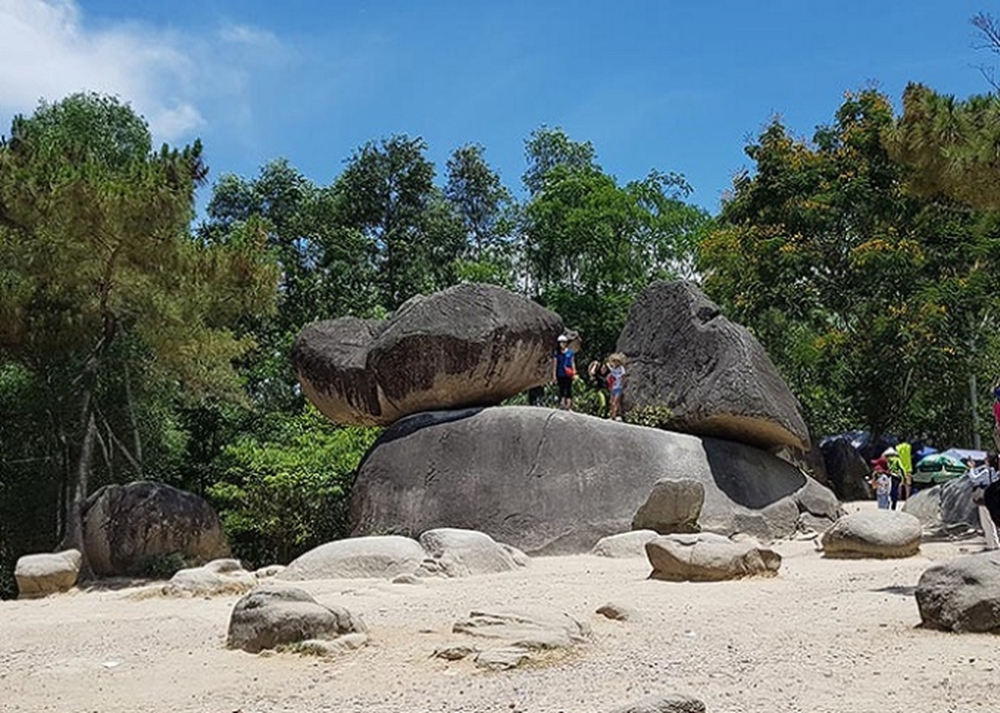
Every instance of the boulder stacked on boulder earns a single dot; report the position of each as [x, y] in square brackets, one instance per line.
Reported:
[469, 345]
[554, 482]
[703, 374]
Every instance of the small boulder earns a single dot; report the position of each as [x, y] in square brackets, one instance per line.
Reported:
[503, 658]
[460, 553]
[664, 704]
[382, 557]
[873, 533]
[961, 595]
[707, 557]
[625, 544]
[47, 573]
[269, 617]
[225, 576]
[673, 505]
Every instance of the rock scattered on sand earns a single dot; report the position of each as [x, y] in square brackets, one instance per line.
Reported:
[617, 612]
[707, 557]
[962, 595]
[218, 577]
[382, 556]
[270, 617]
[460, 553]
[873, 533]
[664, 704]
[47, 573]
[625, 544]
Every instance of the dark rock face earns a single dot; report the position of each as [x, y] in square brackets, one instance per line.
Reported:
[124, 525]
[712, 374]
[962, 594]
[468, 345]
[944, 507]
[846, 470]
[552, 482]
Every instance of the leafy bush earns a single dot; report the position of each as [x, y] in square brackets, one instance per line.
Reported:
[650, 416]
[288, 492]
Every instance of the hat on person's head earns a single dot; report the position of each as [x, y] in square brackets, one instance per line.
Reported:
[562, 338]
[890, 451]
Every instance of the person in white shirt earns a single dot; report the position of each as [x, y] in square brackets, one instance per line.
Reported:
[982, 477]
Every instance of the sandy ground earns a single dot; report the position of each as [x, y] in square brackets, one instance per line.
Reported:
[824, 635]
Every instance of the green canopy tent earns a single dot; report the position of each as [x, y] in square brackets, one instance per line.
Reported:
[937, 468]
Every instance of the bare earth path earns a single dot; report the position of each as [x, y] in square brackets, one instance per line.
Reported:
[825, 635]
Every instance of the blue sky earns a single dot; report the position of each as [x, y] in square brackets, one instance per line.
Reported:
[676, 86]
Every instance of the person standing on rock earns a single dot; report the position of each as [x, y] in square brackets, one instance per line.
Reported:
[616, 384]
[983, 477]
[564, 371]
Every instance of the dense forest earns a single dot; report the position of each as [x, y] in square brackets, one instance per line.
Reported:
[139, 340]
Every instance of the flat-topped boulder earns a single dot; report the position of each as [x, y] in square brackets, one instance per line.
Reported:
[707, 557]
[873, 533]
[47, 573]
[554, 482]
[218, 577]
[704, 375]
[469, 345]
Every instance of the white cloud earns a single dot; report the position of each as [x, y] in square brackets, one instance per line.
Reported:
[48, 52]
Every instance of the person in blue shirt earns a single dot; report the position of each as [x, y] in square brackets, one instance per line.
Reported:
[564, 371]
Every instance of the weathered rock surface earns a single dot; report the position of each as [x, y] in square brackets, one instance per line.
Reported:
[942, 507]
[873, 533]
[468, 345]
[269, 617]
[125, 525]
[460, 553]
[672, 506]
[712, 374]
[47, 573]
[528, 630]
[707, 557]
[553, 482]
[225, 576]
[664, 704]
[382, 557]
[626, 544]
[846, 470]
[962, 594]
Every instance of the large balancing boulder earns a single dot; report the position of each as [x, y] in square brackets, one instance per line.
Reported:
[469, 345]
[126, 525]
[702, 374]
[962, 594]
[554, 482]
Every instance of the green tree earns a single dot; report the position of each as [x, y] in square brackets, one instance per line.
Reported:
[860, 291]
[546, 148]
[387, 194]
[101, 280]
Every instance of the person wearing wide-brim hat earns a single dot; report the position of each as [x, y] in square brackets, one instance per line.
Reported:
[564, 371]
